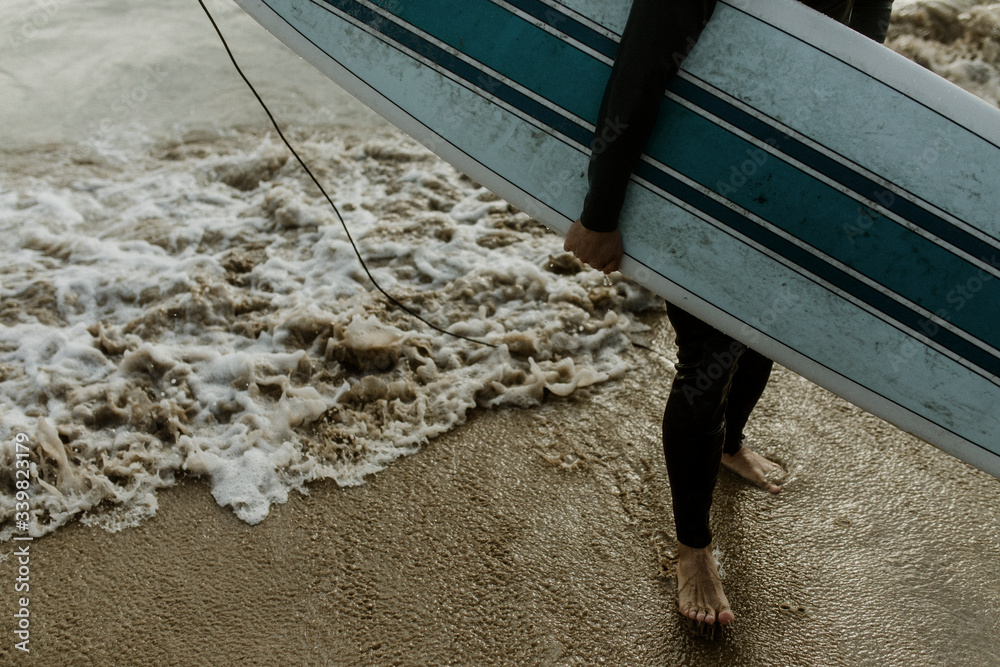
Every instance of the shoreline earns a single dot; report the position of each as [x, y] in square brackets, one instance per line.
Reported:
[543, 536]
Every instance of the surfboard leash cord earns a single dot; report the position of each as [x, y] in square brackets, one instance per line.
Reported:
[308, 171]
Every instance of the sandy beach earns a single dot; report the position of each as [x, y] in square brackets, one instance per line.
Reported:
[542, 537]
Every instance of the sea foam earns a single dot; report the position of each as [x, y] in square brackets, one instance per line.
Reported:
[195, 307]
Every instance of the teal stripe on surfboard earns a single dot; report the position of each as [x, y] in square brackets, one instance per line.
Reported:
[961, 147]
[564, 58]
[513, 47]
[503, 139]
[890, 254]
[459, 66]
[818, 219]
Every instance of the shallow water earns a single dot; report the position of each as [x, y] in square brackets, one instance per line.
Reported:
[91, 70]
[957, 39]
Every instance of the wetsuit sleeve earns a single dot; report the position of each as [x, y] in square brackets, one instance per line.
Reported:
[657, 36]
[871, 18]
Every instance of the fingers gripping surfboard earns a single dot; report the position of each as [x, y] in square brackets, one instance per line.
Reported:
[809, 192]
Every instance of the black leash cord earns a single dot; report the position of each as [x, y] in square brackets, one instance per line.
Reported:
[308, 171]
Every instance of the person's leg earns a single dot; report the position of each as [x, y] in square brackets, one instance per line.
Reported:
[694, 425]
[752, 372]
[694, 430]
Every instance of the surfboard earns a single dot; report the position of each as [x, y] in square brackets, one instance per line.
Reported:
[807, 191]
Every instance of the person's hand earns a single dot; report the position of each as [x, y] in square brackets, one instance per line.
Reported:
[601, 250]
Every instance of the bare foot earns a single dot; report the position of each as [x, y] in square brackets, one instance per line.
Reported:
[699, 589]
[754, 468]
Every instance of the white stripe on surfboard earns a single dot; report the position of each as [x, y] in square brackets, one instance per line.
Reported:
[835, 185]
[765, 250]
[552, 30]
[451, 76]
[923, 312]
[467, 59]
[846, 162]
[796, 268]
[582, 19]
[889, 68]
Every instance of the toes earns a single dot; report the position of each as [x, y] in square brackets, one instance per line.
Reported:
[707, 618]
[762, 482]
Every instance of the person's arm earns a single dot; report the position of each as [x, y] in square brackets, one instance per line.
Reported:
[871, 18]
[657, 37]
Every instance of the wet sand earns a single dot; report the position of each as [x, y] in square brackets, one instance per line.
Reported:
[542, 537]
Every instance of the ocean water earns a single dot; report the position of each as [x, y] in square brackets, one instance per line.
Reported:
[178, 298]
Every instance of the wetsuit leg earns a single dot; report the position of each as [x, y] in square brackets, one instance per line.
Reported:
[752, 372]
[694, 422]
[719, 380]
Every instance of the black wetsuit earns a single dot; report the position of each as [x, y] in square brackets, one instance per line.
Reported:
[718, 380]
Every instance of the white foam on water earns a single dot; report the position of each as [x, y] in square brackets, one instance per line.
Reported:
[195, 307]
[956, 39]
